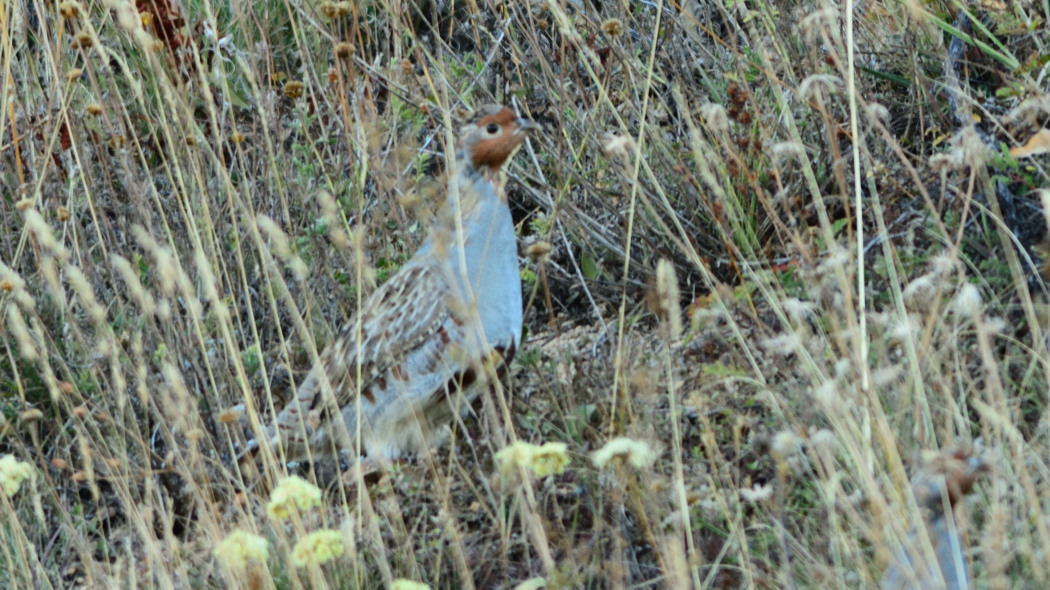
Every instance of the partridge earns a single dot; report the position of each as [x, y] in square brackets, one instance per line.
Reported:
[944, 479]
[419, 349]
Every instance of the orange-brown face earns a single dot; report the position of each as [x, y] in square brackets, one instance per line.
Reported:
[494, 138]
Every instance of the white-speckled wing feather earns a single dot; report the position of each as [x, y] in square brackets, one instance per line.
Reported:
[404, 315]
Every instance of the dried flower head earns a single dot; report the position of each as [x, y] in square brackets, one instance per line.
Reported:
[82, 40]
[715, 117]
[756, 494]
[294, 89]
[10, 280]
[613, 27]
[230, 415]
[12, 473]
[318, 547]
[975, 153]
[292, 493]
[816, 83]
[621, 146]
[549, 459]
[538, 249]
[239, 547]
[635, 453]
[31, 416]
[785, 444]
[69, 10]
[665, 302]
[335, 10]
[26, 348]
[968, 301]
[517, 454]
[343, 50]
[879, 112]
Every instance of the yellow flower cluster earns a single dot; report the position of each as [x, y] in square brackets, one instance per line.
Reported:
[238, 547]
[12, 473]
[292, 493]
[318, 547]
[404, 584]
[548, 459]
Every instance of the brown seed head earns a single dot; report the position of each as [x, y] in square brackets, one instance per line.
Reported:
[82, 40]
[343, 50]
[613, 27]
[293, 89]
[538, 249]
[69, 10]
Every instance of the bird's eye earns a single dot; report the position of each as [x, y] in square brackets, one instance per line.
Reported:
[492, 128]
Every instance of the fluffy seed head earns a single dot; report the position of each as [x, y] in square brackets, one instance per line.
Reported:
[968, 301]
[636, 453]
[757, 493]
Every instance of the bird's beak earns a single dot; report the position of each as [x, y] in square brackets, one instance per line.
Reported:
[525, 125]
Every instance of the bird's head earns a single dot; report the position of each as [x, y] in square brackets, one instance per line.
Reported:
[492, 137]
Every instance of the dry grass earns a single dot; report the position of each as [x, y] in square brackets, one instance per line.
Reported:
[195, 196]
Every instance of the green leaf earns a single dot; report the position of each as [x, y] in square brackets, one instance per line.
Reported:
[1007, 60]
[588, 267]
